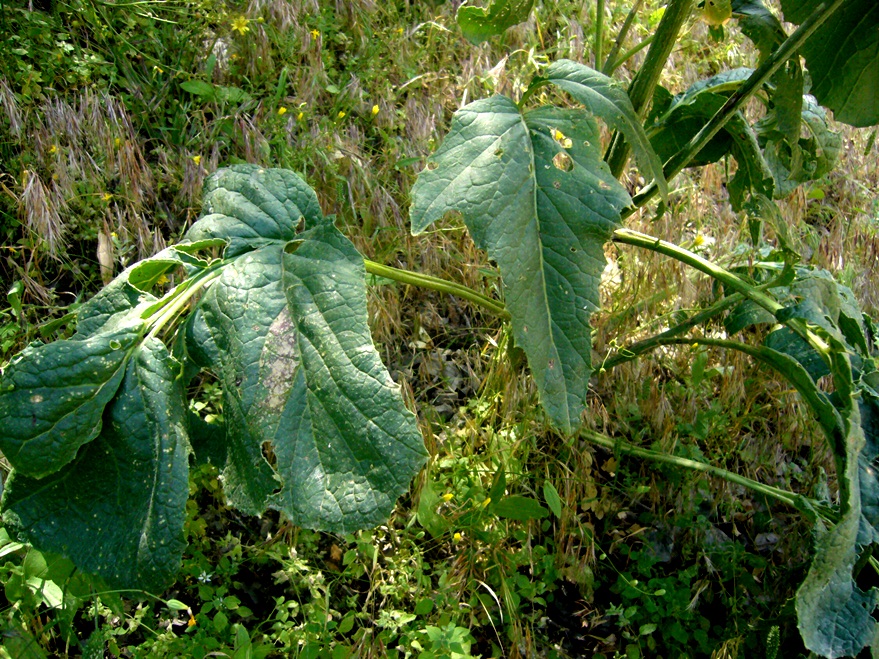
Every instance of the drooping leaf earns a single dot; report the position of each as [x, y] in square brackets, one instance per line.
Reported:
[249, 206]
[53, 397]
[349, 447]
[833, 614]
[763, 28]
[237, 321]
[842, 57]
[478, 24]
[117, 510]
[537, 196]
[807, 159]
[605, 97]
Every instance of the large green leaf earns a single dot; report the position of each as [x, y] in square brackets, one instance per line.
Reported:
[478, 24]
[842, 57]
[53, 397]
[314, 425]
[118, 509]
[95, 425]
[248, 206]
[834, 615]
[349, 447]
[233, 327]
[537, 196]
[605, 97]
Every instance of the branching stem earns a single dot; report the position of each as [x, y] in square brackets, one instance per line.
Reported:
[735, 102]
[798, 501]
[437, 284]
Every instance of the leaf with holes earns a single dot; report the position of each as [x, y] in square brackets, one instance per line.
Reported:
[537, 196]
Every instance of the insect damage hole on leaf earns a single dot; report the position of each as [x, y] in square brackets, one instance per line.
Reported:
[563, 161]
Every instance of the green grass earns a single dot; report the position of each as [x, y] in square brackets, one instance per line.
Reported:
[98, 138]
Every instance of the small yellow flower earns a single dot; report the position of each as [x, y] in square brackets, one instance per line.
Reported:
[282, 111]
[53, 149]
[118, 142]
[315, 34]
[162, 280]
[196, 160]
[240, 26]
[341, 114]
[300, 116]
[448, 496]
[106, 196]
[374, 110]
[486, 502]
[457, 537]
[158, 69]
[399, 30]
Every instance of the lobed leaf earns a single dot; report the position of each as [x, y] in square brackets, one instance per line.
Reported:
[118, 509]
[842, 57]
[537, 196]
[605, 98]
[249, 206]
[53, 397]
[349, 447]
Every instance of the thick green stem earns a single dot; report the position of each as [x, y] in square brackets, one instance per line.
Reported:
[642, 87]
[437, 284]
[725, 277]
[737, 100]
[607, 69]
[178, 298]
[599, 32]
[792, 499]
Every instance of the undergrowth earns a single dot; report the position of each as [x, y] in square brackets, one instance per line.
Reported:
[104, 148]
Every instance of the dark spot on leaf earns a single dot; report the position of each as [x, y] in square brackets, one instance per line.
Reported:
[499, 153]
[573, 249]
[432, 165]
[292, 246]
[557, 184]
[300, 224]
[551, 363]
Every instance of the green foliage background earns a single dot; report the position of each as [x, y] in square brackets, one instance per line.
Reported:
[112, 116]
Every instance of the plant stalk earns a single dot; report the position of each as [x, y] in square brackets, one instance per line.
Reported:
[437, 284]
[639, 348]
[607, 69]
[599, 32]
[642, 87]
[798, 501]
[735, 102]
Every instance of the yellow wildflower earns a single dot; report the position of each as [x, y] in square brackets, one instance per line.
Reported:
[341, 114]
[399, 30]
[282, 110]
[196, 160]
[315, 34]
[374, 110]
[118, 142]
[486, 502]
[240, 26]
[457, 537]
[300, 116]
[448, 496]
[162, 280]
[53, 149]
[106, 196]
